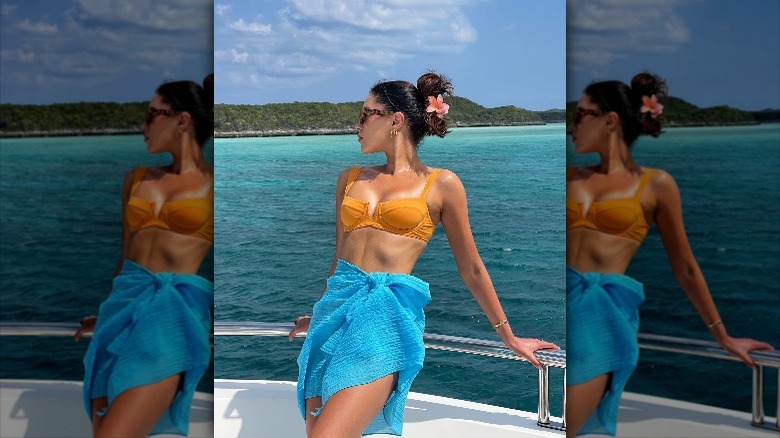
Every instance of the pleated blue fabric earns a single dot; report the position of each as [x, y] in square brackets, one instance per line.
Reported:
[365, 326]
[151, 327]
[602, 324]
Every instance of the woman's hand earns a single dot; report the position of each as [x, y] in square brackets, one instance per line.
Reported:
[525, 347]
[301, 325]
[87, 326]
[740, 347]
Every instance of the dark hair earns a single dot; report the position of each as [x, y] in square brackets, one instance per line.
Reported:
[187, 96]
[402, 96]
[626, 102]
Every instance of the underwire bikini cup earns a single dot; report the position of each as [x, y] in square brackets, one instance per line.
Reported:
[406, 217]
[620, 217]
[190, 217]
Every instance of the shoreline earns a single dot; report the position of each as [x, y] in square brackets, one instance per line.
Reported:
[344, 131]
[323, 131]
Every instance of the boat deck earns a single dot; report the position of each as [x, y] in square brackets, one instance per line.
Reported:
[54, 409]
[262, 408]
[258, 408]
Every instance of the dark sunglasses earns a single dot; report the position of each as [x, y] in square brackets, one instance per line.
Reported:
[151, 113]
[580, 112]
[365, 113]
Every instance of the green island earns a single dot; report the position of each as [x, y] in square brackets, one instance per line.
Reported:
[318, 118]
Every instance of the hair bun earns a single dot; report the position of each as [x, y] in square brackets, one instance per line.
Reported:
[432, 84]
[647, 85]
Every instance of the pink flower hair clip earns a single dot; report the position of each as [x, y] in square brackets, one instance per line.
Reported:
[651, 105]
[437, 105]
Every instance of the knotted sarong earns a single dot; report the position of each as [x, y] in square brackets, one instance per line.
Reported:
[151, 327]
[365, 326]
[602, 323]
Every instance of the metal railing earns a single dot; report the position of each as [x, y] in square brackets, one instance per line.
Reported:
[556, 359]
[695, 347]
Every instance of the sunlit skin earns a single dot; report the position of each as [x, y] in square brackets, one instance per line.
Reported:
[617, 176]
[135, 412]
[350, 411]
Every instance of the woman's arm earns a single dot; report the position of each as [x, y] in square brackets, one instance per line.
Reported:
[668, 218]
[455, 220]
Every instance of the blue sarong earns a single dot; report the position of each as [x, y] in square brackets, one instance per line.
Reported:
[602, 323]
[151, 327]
[365, 326]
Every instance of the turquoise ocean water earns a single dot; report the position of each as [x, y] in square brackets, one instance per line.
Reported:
[729, 180]
[60, 241]
[275, 230]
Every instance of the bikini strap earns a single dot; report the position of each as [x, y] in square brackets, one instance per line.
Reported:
[138, 176]
[643, 183]
[353, 174]
[429, 182]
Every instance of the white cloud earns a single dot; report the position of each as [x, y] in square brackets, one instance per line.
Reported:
[255, 28]
[237, 56]
[169, 15]
[221, 9]
[603, 31]
[312, 40]
[41, 28]
[7, 10]
[25, 57]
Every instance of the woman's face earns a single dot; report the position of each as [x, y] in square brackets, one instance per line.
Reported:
[589, 129]
[160, 126]
[373, 126]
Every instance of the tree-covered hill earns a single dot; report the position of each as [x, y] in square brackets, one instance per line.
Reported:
[299, 118]
[81, 118]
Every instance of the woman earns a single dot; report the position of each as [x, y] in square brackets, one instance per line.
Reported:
[151, 341]
[609, 209]
[364, 345]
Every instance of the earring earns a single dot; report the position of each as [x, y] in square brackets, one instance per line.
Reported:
[393, 133]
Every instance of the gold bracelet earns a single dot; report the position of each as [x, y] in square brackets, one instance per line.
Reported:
[714, 323]
[496, 326]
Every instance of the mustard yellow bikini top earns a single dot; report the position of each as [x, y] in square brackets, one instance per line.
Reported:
[408, 217]
[622, 217]
[190, 217]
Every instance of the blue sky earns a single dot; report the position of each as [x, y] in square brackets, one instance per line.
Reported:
[101, 50]
[497, 52]
[711, 52]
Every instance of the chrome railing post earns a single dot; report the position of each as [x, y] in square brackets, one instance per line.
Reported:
[758, 395]
[544, 396]
[563, 416]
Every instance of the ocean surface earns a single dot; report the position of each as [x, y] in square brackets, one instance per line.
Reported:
[275, 241]
[60, 242]
[729, 180]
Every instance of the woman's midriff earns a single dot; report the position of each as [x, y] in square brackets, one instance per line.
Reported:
[161, 250]
[375, 250]
[593, 251]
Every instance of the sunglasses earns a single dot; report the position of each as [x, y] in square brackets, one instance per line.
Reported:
[152, 113]
[365, 113]
[580, 112]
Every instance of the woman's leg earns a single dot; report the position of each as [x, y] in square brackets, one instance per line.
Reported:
[98, 404]
[312, 404]
[582, 401]
[135, 411]
[349, 411]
